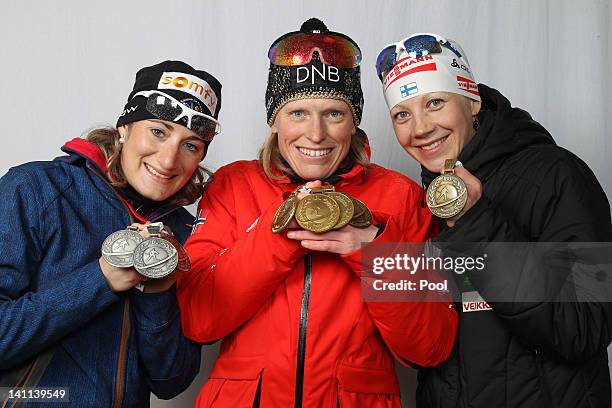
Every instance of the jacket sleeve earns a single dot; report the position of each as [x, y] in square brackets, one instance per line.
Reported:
[170, 360]
[32, 320]
[570, 207]
[418, 333]
[233, 271]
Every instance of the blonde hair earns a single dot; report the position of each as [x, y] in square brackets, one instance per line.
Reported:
[270, 156]
[107, 139]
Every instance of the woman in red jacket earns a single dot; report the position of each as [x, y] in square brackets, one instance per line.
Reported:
[288, 305]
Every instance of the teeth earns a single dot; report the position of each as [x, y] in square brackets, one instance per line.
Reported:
[433, 145]
[158, 174]
[314, 153]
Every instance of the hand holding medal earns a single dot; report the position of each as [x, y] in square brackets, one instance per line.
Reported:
[450, 196]
[331, 221]
[447, 193]
[151, 249]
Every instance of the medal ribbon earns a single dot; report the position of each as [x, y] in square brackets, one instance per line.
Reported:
[132, 210]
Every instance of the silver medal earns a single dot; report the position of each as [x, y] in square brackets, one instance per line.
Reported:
[118, 247]
[155, 258]
[158, 229]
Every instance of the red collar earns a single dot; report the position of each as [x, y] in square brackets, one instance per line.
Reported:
[88, 150]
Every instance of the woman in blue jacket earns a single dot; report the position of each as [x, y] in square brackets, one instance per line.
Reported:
[68, 319]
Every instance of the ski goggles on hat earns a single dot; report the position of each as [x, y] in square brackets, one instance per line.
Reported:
[416, 46]
[165, 107]
[297, 48]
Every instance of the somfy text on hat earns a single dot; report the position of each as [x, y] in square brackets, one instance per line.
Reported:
[175, 92]
[314, 63]
[424, 63]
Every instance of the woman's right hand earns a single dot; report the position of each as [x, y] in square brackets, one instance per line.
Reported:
[120, 279]
[342, 241]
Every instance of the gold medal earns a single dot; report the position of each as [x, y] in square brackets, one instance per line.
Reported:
[362, 217]
[317, 213]
[447, 194]
[323, 209]
[284, 214]
[346, 208]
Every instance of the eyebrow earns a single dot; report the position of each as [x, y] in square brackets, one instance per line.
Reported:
[169, 127]
[196, 139]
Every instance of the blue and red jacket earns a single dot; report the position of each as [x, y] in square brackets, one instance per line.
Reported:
[61, 325]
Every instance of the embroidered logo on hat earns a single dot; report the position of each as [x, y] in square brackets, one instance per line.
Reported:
[191, 85]
[317, 74]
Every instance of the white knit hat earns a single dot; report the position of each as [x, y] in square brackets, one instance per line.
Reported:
[417, 65]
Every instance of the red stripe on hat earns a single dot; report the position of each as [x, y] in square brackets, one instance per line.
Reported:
[464, 79]
[426, 67]
[469, 82]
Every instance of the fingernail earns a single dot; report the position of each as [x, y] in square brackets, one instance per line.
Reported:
[291, 234]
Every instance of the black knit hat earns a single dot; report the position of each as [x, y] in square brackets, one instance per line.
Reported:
[193, 88]
[287, 83]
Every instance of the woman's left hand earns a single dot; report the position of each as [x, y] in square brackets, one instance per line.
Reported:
[343, 241]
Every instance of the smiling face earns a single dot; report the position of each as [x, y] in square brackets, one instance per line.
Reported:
[159, 157]
[434, 127]
[314, 135]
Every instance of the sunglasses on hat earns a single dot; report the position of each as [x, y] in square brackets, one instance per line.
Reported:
[297, 48]
[416, 46]
[165, 107]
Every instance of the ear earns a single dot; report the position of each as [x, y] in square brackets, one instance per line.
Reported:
[475, 107]
[273, 128]
[354, 130]
[122, 131]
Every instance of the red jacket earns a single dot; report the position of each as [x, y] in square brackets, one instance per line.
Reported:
[292, 321]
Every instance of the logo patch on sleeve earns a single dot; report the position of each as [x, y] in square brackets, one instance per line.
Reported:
[199, 221]
[473, 302]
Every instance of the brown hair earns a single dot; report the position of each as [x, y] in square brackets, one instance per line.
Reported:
[107, 139]
[270, 155]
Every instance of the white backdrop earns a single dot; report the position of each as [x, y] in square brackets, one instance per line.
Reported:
[67, 66]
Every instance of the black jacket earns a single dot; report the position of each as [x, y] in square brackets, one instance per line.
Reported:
[520, 354]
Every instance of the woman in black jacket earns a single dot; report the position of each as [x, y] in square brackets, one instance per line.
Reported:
[520, 350]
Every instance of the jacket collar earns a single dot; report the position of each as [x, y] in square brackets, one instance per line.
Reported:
[88, 151]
